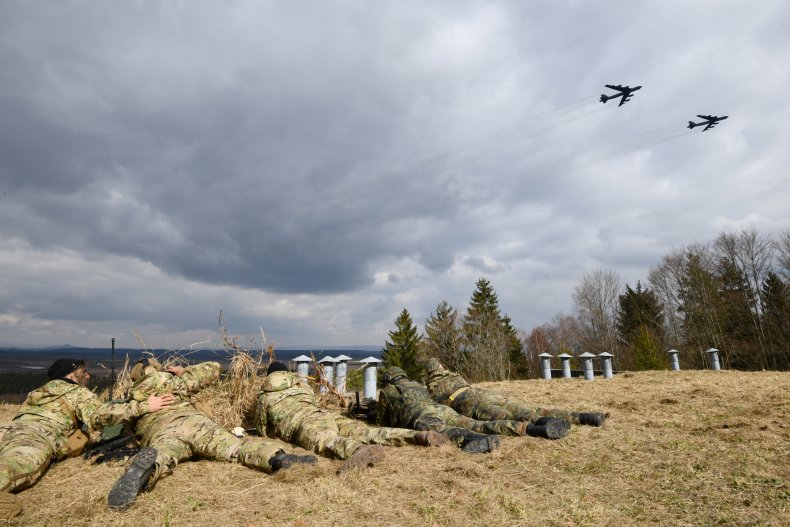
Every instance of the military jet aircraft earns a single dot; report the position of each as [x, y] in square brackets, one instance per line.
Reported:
[625, 93]
[710, 120]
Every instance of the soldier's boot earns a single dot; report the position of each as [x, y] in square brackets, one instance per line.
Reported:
[472, 442]
[365, 456]
[281, 460]
[129, 485]
[10, 505]
[430, 438]
[592, 418]
[552, 429]
[543, 420]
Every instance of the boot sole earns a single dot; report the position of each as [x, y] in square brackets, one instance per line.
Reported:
[367, 456]
[128, 486]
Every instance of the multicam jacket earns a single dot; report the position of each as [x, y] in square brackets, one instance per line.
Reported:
[194, 379]
[60, 407]
[285, 402]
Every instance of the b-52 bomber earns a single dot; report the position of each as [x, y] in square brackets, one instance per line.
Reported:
[625, 93]
[710, 120]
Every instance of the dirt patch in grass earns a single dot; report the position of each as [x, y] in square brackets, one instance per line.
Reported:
[685, 448]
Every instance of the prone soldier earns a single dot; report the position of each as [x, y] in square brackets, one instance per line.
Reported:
[53, 423]
[451, 389]
[407, 403]
[287, 409]
[182, 431]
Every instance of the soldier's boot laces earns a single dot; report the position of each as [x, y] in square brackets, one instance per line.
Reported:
[475, 443]
[129, 485]
[365, 456]
[282, 460]
[552, 429]
[430, 438]
[592, 419]
[10, 505]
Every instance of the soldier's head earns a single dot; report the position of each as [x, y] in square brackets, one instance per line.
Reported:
[276, 366]
[434, 366]
[392, 374]
[69, 369]
[145, 366]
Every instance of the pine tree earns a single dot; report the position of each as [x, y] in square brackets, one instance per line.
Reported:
[640, 326]
[486, 344]
[403, 351]
[776, 298]
[443, 337]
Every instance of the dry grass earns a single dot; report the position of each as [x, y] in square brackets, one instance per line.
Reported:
[691, 448]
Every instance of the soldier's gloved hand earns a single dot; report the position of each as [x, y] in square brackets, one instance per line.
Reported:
[157, 402]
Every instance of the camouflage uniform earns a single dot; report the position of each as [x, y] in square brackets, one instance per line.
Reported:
[407, 403]
[451, 389]
[41, 430]
[287, 409]
[180, 431]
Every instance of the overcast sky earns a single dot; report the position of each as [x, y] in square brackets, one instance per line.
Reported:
[312, 168]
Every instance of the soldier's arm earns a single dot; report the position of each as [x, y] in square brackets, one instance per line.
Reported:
[112, 413]
[199, 376]
[260, 415]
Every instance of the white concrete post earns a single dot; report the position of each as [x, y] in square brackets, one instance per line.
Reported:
[302, 366]
[606, 364]
[369, 372]
[566, 365]
[545, 365]
[674, 361]
[713, 359]
[587, 365]
[329, 372]
[341, 370]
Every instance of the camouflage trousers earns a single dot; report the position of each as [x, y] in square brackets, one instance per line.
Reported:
[332, 435]
[437, 417]
[187, 433]
[25, 454]
[486, 405]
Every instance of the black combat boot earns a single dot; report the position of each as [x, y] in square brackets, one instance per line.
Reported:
[552, 429]
[129, 485]
[472, 442]
[591, 419]
[281, 460]
[543, 420]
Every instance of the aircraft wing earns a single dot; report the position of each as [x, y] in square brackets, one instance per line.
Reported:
[613, 87]
[710, 125]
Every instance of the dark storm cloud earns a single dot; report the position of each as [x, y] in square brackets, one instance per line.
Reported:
[341, 158]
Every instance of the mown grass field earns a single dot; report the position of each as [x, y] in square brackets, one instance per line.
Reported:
[689, 448]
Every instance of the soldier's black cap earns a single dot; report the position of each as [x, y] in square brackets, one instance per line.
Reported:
[276, 366]
[62, 367]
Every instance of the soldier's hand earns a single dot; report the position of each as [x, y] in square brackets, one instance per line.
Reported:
[157, 402]
[176, 370]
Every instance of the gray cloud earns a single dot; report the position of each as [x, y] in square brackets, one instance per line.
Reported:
[342, 161]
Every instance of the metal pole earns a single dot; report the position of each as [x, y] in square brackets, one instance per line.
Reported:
[112, 369]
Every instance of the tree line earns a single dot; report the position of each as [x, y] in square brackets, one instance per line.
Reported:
[732, 294]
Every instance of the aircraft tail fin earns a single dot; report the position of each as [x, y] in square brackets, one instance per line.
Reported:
[692, 125]
[604, 98]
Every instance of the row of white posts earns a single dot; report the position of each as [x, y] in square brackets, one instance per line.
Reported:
[606, 363]
[336, 371]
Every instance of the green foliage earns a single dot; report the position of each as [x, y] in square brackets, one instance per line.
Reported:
[443, 337]
[491, 348]
[404, 349]
[647, 350]
[355, 380]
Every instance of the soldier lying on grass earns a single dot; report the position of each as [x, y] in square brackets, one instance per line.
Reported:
[407, 403]
[53, 423]
[287, 409]
[181, 432]
[451, 389]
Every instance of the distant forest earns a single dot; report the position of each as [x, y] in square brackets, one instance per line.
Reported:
[732, 295]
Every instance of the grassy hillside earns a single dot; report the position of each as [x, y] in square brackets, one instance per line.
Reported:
[689, 448]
